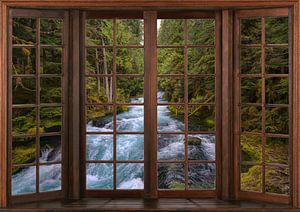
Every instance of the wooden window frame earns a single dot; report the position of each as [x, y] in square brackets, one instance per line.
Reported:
[227, 7]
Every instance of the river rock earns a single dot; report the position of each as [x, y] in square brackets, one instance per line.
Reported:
[194, 141]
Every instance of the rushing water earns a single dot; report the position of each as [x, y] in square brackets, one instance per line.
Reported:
[131, 147]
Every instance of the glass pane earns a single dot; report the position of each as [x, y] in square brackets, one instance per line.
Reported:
[202, 176]
[23, 90]
[23, 61]
[23, 150]
[50, 149]
[201, 147]
[251, 119]
[201, 118]
[173, 89]
[170, 60]
[50, 178]
[250, 61]
[99, 89]
[23, 180]
[51, 119]
[24, 121]
[170, 147]
[201, 89]
[130, 176]
[170, 32]
[51, 61]
[130, 119]
[170, 118]
[130, 147]
[201, 31]
[99, 176]
[251, 90]
[99, 118]
[277, 30]
[99, 147]
[251, 31]
[277, 90]
[99, 32]
[277, 180]
[99, 61]
[51, 31]
[24, 30]
[130, 61]
[251, 148]
[130, 89]
[277, 60]
[277, 150]
[201, 61]
[51, 90]
[277, 120]
[130, 32]
[251, 178]
[171, 176]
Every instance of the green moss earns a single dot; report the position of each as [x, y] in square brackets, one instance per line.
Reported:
[177, 185]
[251, 180]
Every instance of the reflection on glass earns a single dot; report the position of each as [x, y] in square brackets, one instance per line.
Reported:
[51, 31]
[251, 119]
[99, 32]
[51, 61]
[130, 119]
[250, 60]
[251, 178]
[251, 148]
[251, 31]
[201, 89]
[277, 30]
[99, 118]
[170, 32]
[277, 120]
[170, 60]
[23, 150]
[130, 176]
[277, 150]
[50, 177]
[251, 90]
[202, 176]
[173, 89]
[23, 90]
[24, 30]
[99, 147]
[99, 89]
[130, 32]
[277, 60]
[99, 176]
[201, 61]
[130, 147]
[201, 118]
[24, 121]
[50, 149]
[171, 176]
[201, 31]
[170, 118]
[277, 180]
[99, 61]
[277, 90]
[50, 119]
[23, 61]
[130, 61]
[201, 147]
[51, 90]
[170, 147]
[130, 89]
[21, 186]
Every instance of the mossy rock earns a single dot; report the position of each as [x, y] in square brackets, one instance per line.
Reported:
[194, 141]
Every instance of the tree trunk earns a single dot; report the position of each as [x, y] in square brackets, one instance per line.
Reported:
[98, 72]
[108, 91]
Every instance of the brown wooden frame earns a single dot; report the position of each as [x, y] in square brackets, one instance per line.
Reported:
[227, 6]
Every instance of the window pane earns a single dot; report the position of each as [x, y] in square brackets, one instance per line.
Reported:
[99, 61]
[130, 147]
[130, 32]
[130, 176]
[99, 147]
[99, 176]
[23, 180]
[23, 90]
[24, 121]
[201, 61]
[201, 147]
[171, 176]
[173, 89]
[277, 60]
[51, 90]
[170, 147]
[277, 120]
[251, 148]
[130, 119]
[170, 60]
[50, 149]
[201, 31]
[99, 118]
[99, 89]
[130, 61]
[277, 30]
[251, 118]
[99, 32]
[250, 61]
[130, 89]
[277, 90]
[170, 32]
[170, 118]
[251, 178]
[277, 180]
[201, 118]
[23, 150]
[202, 176]
[51, 31]
[51, 119]
[24, 30]
[50, 178]
[51, 61]
[251, 90]
[201, 89]
[277, 150]
[23, 61]
[251, 31]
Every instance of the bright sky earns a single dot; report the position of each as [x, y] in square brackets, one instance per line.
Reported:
[158, 24]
